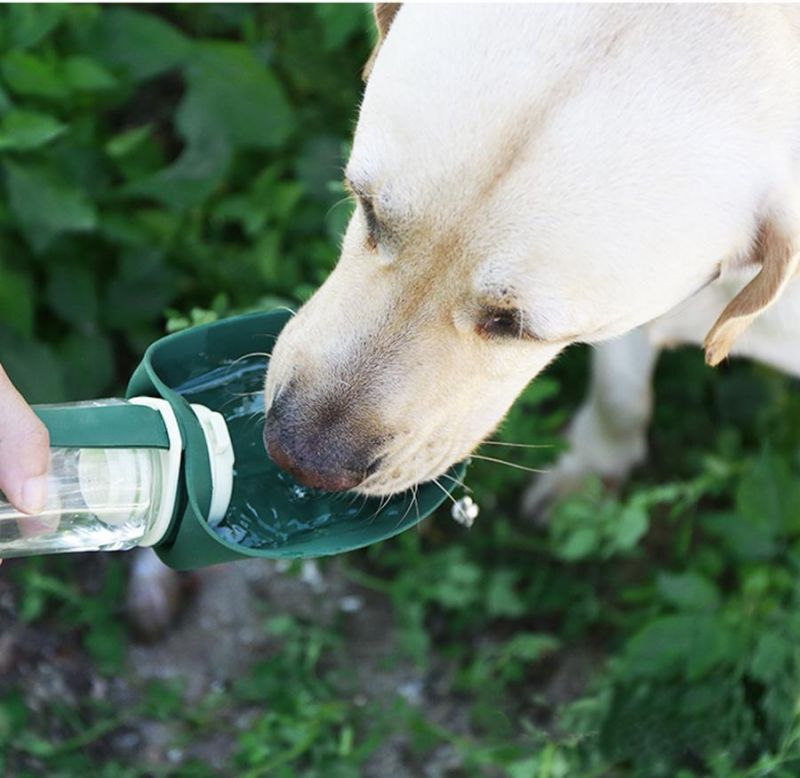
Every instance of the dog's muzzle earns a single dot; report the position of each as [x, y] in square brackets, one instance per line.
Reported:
[317, 446]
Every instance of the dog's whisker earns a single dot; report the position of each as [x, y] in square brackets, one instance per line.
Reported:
[408, 509]
[447, 494]
[236, 361]
[383, 503]
[456, 481]
[414, 499]
[246, 394]
[516, 445]
[508, 464]
[288, 310]
[346, 199]
[259, 417]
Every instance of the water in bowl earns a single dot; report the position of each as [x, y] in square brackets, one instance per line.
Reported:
[269, 509]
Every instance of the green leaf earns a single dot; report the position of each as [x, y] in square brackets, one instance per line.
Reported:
[16, 301]
[125, 142]
[106, 643]
[318, 164]
[688, 591]
[579, 544]
[72, 293]
[502, 599]
[32, 367]
[192, 179]
[340, 22]
[5, 101]
[266, 256]
[29, 23]
[529, 646]
[30, 76]
[268, 200]
[137, 152]
[524, 768]
[45, 205]
[139, 42]
[743, 539]
[459, 587]
[771, 658]
[769, 495]
[691, 643]
[83, 74]
[254, 114]
[631, 526]
[241, 209]
[22, 130]
[88, 364]
[140, 290]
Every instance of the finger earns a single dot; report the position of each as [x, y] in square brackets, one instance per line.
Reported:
[24, 451]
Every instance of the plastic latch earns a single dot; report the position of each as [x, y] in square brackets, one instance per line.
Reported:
[170, 462]
[221, 459]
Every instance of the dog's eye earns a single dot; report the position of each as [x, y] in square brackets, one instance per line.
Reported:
[503, 323]
[373, 226]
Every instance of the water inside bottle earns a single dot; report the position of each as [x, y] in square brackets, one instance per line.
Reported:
[80, 516]
[268, 508]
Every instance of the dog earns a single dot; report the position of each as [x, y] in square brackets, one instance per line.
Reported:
[526, 178]
[529, 177]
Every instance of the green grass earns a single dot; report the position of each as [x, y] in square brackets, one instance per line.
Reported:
[163, 166]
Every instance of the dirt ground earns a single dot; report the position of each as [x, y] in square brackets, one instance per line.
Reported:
[232, 598]
[218, 637]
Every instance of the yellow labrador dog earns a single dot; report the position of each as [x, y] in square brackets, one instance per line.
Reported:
[528, 177]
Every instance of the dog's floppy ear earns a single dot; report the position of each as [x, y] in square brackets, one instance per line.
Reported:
[779, 258]
[384, 16]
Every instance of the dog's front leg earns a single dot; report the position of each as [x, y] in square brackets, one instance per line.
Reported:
[608, 436]
[155, 594]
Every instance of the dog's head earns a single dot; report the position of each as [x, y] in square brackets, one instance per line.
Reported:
[523, 182]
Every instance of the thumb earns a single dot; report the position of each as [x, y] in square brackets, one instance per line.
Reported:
[24, 451]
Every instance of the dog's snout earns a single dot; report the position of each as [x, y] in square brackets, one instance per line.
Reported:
[296, 464]
[319, 456]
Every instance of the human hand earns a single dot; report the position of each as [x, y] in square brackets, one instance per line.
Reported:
[24, 451]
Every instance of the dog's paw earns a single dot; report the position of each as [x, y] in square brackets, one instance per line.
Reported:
[547, 489]
[571, 475]
[155, 594]
[604, 445]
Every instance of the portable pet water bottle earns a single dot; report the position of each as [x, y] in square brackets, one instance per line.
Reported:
[180, 466]
[114, 476]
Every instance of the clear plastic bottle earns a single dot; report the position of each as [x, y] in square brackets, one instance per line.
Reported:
[98, 500]
[109, 499]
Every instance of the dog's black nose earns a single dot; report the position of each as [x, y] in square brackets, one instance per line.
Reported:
[316, 456]
[331, 481]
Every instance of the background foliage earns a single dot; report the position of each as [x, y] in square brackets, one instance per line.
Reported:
[157, 160]
[165, 165]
